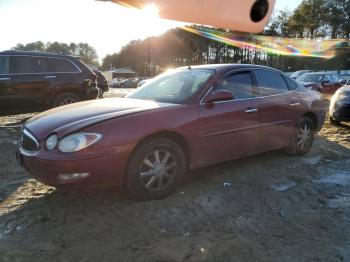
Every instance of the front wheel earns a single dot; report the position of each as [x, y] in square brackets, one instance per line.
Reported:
[155, 169]
[303, 138]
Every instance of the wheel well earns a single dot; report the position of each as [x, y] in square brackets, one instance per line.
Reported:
[313, 117]
[173, 136]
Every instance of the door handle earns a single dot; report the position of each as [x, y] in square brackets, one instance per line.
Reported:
[4, 79]
[251, 110]
[295, 104]
[50, 77]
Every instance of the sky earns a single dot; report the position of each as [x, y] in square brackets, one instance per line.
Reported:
[105, 26]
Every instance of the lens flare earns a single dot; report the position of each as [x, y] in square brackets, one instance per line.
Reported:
[317, 48]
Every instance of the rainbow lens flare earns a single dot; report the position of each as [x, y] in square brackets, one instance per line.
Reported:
[317, 48]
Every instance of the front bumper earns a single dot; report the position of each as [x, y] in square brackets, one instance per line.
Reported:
[104, 170]
[342, 113]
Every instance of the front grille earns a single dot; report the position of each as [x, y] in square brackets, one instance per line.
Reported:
[29, 142]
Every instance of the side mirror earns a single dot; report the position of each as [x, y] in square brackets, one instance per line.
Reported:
[219, 96]
[326, 83]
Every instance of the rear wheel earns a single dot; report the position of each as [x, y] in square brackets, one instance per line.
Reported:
[66, 99]
[333, 121]
[155, 169]
[303, 138]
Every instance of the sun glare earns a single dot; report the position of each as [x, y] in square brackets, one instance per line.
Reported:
[150, 10]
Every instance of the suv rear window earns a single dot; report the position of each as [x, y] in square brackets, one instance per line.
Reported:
[4, 65]
[63, 66]
[29, 65]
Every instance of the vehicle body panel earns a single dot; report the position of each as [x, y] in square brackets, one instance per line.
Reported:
[208, 133]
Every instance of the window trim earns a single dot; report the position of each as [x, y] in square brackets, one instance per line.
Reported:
[232, 72]
[276, 72]
[254, 82]
[43, 73]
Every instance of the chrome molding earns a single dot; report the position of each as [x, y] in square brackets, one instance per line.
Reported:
[25, 152]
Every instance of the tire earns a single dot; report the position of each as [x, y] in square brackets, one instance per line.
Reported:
[65, 99]
[334, 122]
[303, 138]
[152, 175]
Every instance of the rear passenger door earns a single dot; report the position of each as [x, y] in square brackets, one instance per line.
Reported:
[278, 107]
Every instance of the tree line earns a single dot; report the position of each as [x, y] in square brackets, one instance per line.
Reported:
[83, 50]
[322, 19]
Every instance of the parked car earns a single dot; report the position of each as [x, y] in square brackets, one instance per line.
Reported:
[297, 74]
[339, 110]
[128, 83]
[102, 83]
[321, 82]
[185, 119]
[45, 78]
[113, 83]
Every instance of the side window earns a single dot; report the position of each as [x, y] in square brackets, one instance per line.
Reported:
[4, 65]
[240, 84]
[63, 66]
[270, 83]
[327, 78]
[292, 85]
[335, 79]
[29, 65]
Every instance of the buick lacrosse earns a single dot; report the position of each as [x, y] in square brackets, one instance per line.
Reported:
[181, 120]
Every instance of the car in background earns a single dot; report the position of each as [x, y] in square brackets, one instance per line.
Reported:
[321, 82]
[128, 83]
[44, 78]
[297, 74]
[185, 119]
[115, 81]
[339, 110]
[102, 83]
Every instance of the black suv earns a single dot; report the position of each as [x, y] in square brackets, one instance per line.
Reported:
[48, 79]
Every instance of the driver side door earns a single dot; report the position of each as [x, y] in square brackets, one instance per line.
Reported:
[229, 129]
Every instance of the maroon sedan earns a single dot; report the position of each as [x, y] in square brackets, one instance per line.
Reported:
[182, 120]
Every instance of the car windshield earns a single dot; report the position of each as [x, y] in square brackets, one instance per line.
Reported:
[310, 78]
[174, 87]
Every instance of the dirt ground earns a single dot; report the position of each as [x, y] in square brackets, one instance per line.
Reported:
[270, 207]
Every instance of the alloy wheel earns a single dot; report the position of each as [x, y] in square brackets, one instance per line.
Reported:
[68, 101]
[158, 170]
[304, 136]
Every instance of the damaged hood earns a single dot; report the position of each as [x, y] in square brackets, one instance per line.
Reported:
[70, 118]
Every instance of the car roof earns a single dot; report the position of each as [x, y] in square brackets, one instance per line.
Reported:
[224, 67]
[33, 53]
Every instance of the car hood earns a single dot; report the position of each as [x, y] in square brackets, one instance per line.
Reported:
[66, 119]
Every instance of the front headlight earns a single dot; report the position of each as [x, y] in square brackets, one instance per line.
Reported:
[51, 142]
[78, 141]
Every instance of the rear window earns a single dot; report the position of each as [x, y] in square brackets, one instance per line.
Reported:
[29, 65]
[4, 65]
[63, 66]
[270, 83]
